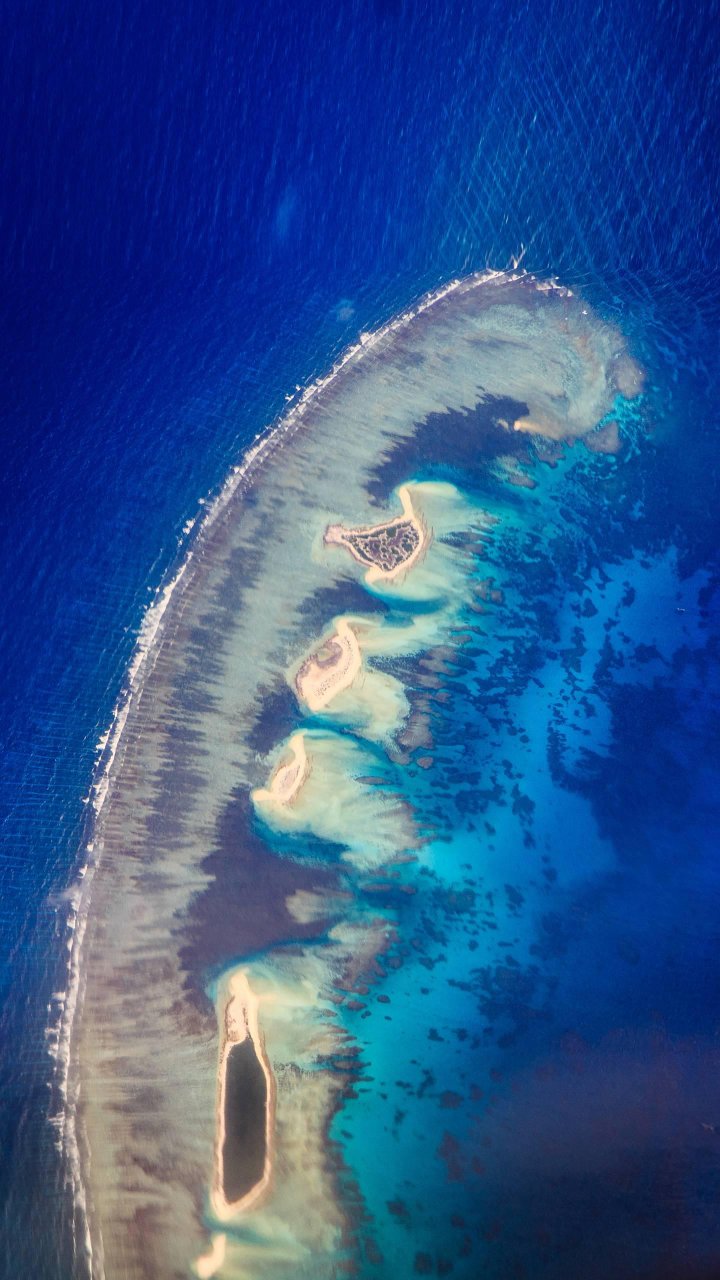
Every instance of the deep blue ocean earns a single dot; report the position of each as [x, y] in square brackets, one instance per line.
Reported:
[199, 208]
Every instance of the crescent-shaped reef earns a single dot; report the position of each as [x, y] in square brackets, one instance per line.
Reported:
[285, 938]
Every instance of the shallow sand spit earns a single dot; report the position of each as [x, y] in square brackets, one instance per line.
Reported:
[287, 780]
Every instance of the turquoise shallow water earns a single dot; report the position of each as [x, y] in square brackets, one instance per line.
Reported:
[540, 1080]
[465, 909]
[534, 1067]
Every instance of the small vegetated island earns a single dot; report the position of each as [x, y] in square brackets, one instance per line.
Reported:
[387, 549]
[272, 1073]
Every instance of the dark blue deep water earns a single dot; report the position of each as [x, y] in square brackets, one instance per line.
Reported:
[199, 207]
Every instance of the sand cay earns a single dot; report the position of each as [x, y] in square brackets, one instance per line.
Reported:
[390, 549]
[339, 679]
[334, 666]
[244, 1118]
[367, 823]
[289, 777]
[208, 1264]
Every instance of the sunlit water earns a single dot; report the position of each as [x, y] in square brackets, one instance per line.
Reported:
[150, 347]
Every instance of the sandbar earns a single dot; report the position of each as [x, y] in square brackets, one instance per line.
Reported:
[287, 780]
[388, 549]
[333, 666]
[209, 1263]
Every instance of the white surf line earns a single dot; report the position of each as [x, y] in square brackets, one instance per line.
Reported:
[59, 1032]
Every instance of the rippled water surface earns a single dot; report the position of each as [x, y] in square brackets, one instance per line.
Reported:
[198, 216]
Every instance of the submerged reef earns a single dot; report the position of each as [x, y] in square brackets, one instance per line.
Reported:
[265, 853]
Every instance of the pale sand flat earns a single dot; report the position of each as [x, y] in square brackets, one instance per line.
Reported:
[319, 680]
[288, 779]
[604, 439]
[209, 1263]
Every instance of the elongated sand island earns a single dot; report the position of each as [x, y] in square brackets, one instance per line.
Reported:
[245, 1106]
[271, 847]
